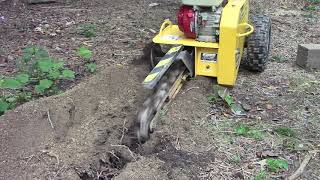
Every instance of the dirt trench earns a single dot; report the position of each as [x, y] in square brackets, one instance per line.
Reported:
[74, 130]
[87, 133]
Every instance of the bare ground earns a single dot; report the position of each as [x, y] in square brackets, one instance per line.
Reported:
[85, 132]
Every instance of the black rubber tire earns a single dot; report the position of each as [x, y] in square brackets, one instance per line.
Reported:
[258, 44]
[156, 54]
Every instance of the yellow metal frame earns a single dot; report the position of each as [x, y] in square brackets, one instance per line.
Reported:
[234, 28]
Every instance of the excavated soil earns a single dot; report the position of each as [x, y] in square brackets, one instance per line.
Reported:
[86, 133]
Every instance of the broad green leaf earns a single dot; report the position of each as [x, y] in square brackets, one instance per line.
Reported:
[46, 83]
[68, 74]
[23, 78]
[43, 85]
[26, 58]
[54, 74]
[276, 165]
[29, 52]
[84, 52]
[58, 65]
[34, 51]
[3, 106]
[41, 53]
[11, 99]
[45, 65]
[24, 97]
[10, 84]
[228, 99]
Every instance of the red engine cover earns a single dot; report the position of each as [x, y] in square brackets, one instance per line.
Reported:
[186, 21]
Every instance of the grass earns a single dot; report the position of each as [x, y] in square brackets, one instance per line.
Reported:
[87, 30]
[279, 59]
[236, 159]
[285, 131]
[212, 98]
[246, 131]
[261, 176]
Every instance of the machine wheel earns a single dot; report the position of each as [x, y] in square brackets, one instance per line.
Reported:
[258, 44]
[156, 54]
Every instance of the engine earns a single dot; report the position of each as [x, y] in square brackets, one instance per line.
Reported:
[201, 23]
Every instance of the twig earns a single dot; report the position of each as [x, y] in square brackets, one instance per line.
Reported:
[303, 165]
[49, 118]
[190, 89]
[59, 171]
[29, 158]
[52, 155]
[113, 154]
[123, 130]
[99, 174]
[65, 8]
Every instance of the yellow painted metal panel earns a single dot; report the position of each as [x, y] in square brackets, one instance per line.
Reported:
[231, 45]
[233, 29]
[172, 35]
[203, 67]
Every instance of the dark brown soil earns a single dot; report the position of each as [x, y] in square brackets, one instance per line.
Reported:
[86, 134]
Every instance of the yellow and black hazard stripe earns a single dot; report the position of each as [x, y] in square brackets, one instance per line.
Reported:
[155, 75]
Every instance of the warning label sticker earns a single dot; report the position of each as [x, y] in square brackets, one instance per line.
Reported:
[211, 57]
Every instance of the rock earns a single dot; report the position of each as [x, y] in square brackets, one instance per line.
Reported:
[154, 4]
[269, 106]
[53, 34]
[246, 107]
[40, 1]
[58, 49]
[10, 58]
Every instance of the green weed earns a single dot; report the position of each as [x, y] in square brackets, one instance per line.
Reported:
[279, 59]
[236, 159]
[311, 8]
[261, 176]
[275, 165]
[37, 75]
[212, 98]
[246, 131]
[313, 1]
[87, 30]
[284, 131]
[91, 67]
[84, 52]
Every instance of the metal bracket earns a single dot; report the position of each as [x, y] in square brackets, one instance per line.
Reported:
[186, 58]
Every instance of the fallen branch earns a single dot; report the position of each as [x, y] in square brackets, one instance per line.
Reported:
[303, 165]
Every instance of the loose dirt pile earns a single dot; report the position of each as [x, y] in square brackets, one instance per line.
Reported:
[86, 133]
